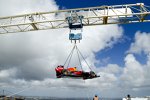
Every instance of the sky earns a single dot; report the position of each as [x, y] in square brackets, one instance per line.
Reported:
[28, 60]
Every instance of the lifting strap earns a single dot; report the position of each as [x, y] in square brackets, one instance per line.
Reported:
[84, 59]
[79, 54]
[69, 57]
[79, 58]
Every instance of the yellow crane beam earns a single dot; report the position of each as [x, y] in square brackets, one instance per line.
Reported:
[102, 15]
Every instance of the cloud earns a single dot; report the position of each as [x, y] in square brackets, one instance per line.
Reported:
[15, 7]
[141, 43]
[135, 76]
[132, 69]
[141, 71]
[6, 74]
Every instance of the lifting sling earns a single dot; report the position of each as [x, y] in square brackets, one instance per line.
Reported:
[71, 72]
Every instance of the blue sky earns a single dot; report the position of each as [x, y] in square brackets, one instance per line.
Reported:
[89, 3]
[118, 51]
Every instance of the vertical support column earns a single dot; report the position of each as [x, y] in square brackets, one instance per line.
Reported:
[33, 24]
[141, 17]
[105, 19]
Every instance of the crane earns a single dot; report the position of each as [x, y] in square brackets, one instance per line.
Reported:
[76, 18]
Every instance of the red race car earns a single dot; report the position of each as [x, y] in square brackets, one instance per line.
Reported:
[71, 72]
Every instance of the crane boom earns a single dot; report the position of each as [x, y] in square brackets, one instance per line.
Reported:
[102, 15]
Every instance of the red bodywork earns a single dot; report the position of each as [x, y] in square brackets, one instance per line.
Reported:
[59, 70]
[62, 72]
[78, 72]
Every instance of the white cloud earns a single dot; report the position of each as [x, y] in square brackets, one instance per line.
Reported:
[5, 74]
[135, 76]
[141, 43]
[135, 70]
[15, 7]
[133, 73]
